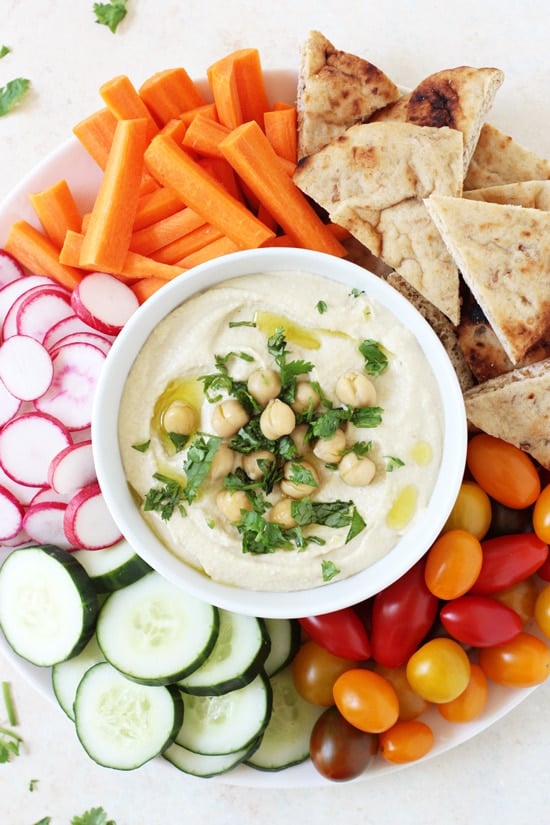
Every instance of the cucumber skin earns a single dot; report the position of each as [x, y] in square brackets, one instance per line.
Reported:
[245, 753]
[295, 641]
[122, 576]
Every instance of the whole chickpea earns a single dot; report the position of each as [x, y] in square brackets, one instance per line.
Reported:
[298, 489]
[232, 503]
[228, 418]
[222, 463]
[329, 450]
[357, 471]
[251, 463]
[298, 436]
[263, 385]
[356, 389]
[179, 418]
[281, 513]
[306, 396]
[277, 419]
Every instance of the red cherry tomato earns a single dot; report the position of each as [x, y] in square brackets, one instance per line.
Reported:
[504, 471]
[339, 750]
[508, 560]
[480, 621]
[402, 615]
[340, 632]
[541, 515]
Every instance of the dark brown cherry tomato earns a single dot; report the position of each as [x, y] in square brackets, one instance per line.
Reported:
[480, 621]
[340, 751]
[402, 615]
[506, 520]
[508, 560]
[314, 672]
[505, 472]
[340, 632]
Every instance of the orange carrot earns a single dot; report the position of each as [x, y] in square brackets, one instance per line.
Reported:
[208, 109]
[156, 205]
[124, 102]
[170, 92]
[280, 128]
[223, 85]
[56, 210]
[109, 229]
[146, 287]
[198, 238]
[176, 128]
[204, 136]
[223, 172]
[39, 254]
[238, 88]
[215, 249]
[172, 167]
[250, 153]
[159, 234]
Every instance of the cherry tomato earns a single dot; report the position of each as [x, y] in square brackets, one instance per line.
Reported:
[339, 750]
[505, 472]
[340, 632]
[541, 515]
[507, 520]
[402, 615]
[453, 563]
[542, 611]
[406, 742]
[480, 621]
[523, 662]
[411, 705]
[314, 672]
[521, 597]
[439, 670]
[471, 511]
[544, 570]
[366, 700]
[471, 702]
[508, 560]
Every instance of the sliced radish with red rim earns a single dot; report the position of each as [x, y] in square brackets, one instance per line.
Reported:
[21, 286]
[88, 523]
[28, 445]
[40, 310]
[9, 404]
[10, 268]
[11, 515]
[98, 340]
[72, 468]
[104, 302]
[67, 326]
[26, 367]
[44, 521]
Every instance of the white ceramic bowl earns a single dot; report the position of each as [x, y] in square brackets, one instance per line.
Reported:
[330, 596]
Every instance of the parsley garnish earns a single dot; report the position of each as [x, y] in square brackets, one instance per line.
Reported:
[4, 50]
[12, 93]
[46, 820]
[110, 14]
[143, 447]
[200, 456]
[178, 440]
[299, 474]
[216, 383]
[357, 525]
[289, 370]
[329, 570]
[376, 361]
[95, 816]
[250, 438]
[321, 307]
[355, 292]
[32, 784]
[392, 463]
[164, 499]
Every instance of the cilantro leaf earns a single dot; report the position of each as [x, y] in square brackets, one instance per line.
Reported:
[366, 416]
[216, 383]
[289, 370]
[392, 463]
[321, 307]
[358, 524]
[260, 535]
[376, 360]
[110, 14]
[178, 440]
[4, 50]
[143, 447]
[12, 93]
[46, 820]
[95, 816]
[301, 475]
[164, 499]
[330, 513]
[200, 456]
[328, 569]
[9, 744]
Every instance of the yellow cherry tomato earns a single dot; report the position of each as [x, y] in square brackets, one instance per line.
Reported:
[439, 670]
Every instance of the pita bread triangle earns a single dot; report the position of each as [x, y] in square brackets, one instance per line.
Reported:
[503, 254]
[534, 194]
[499, 159]
[335, 90]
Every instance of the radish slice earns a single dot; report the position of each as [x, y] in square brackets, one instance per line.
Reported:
[28, 445]
[63, 328]
[96, 339]
[17, 541]
[49, 495]
[72, 468]
[104, 302]
[76, 369]
[88, 523]
[11, 515]
[22, 492]
[9, 404]
[13, 290]
[40, 310]
[26, 368]
[10, 268]
[43, 523]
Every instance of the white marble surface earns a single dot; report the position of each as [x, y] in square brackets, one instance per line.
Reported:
[502, 774]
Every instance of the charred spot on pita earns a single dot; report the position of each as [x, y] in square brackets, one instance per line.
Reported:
[434, 104]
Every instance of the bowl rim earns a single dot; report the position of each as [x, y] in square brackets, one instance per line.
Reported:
[274, 604]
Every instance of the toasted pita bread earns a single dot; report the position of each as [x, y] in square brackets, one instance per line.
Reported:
[393, 111]
[459, 98]
[372, 180]
[515, 407]
[503, 254]
[499, 159]
[335, 90]
[534, 194]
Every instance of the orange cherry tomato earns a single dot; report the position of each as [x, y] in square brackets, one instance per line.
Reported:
[521, 597]
[411, 705]
[453, 564]
[472, 510]
[522, 662]
[505, 472]
[471, 702]
[542, 611]
[366, 700]
[314, 672]
[406, 742]
[541, 515]
[439, 670]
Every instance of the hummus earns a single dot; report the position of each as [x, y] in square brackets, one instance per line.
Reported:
[324, 323]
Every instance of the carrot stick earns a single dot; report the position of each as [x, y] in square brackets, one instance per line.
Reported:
[238, 88]
[223, 172]
[156, 205]
[109, 230]
[169, 93]
[172, 167]
[223, 85]
[204, 136]
[208, 109]
[163, 232]
[146, 287]
[215, 249]
[198, 238]
[124, 102]
[249, 152]
[176, 128]
[39, 254]
[56, 210]
[280, 127]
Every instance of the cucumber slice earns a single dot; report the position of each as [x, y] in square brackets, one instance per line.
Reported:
[224, 724]
[121, 724]
[237, 657]
[286, 739]
[48, 605]
[66, 675]
[285, 636]
[155, 633]
[204, 765]
[113, 567]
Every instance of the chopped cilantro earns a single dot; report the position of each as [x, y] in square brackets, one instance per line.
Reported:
[392, 463]
[357, 525]
[143, 447]
[233, 324]
[329, 570]
[9, 704]
[46, 820]
[178, 440]
[198, 461]
[216, 383]
[165, 498]
[12, 93]
[250, 438]
[299, 474]
[376, 360]
[329, 513]
[260, 535]
[32, 784]
[289, 370]
[9, 744]
[95, 816]
[110, 14]
[4, 50]
[355, 292]
[360, 448]
[321, 307]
